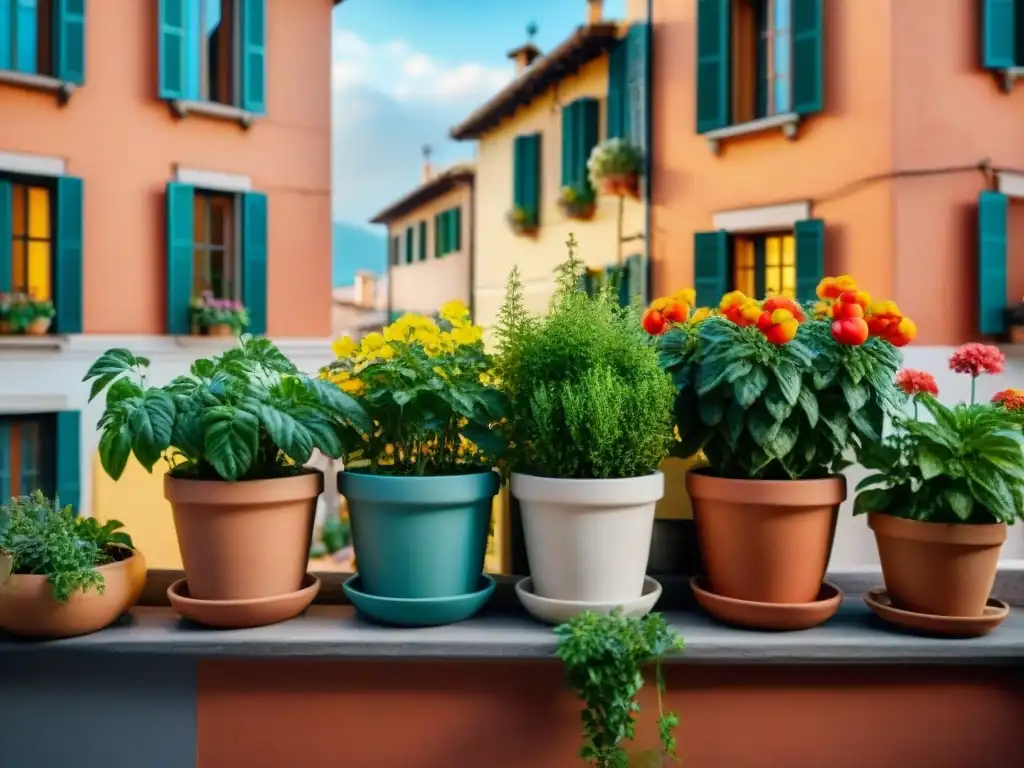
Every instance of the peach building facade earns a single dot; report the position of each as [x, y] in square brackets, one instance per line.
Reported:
[798, 138]
[151, 151]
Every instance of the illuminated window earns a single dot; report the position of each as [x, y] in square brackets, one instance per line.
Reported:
[765, 264]
[27, 457]
[215, 252]
[32, 240]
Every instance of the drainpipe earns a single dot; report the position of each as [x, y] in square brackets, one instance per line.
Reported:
[390, 245]
[472, 247]
[649, 142]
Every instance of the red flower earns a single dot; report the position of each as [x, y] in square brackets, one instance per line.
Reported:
[914, 382]
[976, 359]
[1010, 399]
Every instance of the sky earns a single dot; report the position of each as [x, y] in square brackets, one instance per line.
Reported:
[405, 71]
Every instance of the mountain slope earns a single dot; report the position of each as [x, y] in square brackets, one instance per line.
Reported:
[356, 248]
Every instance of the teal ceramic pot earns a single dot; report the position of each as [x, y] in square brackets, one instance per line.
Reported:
[419, 537]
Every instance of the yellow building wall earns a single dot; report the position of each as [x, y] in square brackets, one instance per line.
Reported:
[497, 248]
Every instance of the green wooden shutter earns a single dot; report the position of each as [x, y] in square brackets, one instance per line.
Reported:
[710, 267]
[180, 237]
[31, 440]
[254, 56]
[394, 251]
[713, 68]
[456, 225]
[532, 178]
[439, 235]
[808, 56]
[636, 277]
[408, 245]
[993, 208]
[422, 238]
[587, 137]
[6, 61]
[998, 34]
[5, 461]
[67, 261]
[69, 41]
[810, 258]
[570, 129]
[6, 235]
[68, 458]
[587, 282]
[255, 224]
[173, 45]
[618, 70]
[518, 170]
[638, 96]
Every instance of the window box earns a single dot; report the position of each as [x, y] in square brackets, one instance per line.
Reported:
[42, 45]
[578, 202]
[523, 222]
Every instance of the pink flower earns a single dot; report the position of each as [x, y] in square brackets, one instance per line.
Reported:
[914, 382]
[976, 359]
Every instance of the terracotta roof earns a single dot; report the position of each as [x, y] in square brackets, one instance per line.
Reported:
[586, 43]
[437, 185]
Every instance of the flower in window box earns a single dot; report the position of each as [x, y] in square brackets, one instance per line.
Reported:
[5, 313]
[577, 201]
[523, 221]
[1015, 322]
[615, 167]
[27, 314]
[218, 317]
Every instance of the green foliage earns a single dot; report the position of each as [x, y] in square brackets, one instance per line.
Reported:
[207, 311]
[614, 157]
[966, 467]
[604, 656]
[44, 539]
[427, 387]
[588, 397]
[247, 414]
[763, 411]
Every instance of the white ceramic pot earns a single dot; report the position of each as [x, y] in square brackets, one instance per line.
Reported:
[588, 540]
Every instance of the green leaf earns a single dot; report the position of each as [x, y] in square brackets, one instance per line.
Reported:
[711, 409]
[959, 501]
[115, 447]
[709, 376]
[784, 440]
[874, 479]
[402, 397]
[231, 437]
[187, 435]
[856, 394]
[489, 442]
[749, 388]
[930, 461]
[809, 404]
[873, 500]
[737, 369]
[152, 424]
[342, 404]
[288, 432]
[789, 381]
[325, 436]
[761, 426]
[110, 365]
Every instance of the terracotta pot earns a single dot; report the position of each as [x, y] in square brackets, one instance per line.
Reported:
[5, 327]
[939, 569]
[577, 211]
[220, 329]
[1016, 334]
[765, 541]
[244, 540]
[39, 326]
[621, 185]
[28, 609]
[5, 567]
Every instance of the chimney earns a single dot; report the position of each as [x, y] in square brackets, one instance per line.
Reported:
[595, 11]
[428, 167]
[524, 56]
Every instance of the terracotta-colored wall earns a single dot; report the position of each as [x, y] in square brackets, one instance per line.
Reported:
[394, 714]
[118, 137]
[424, 286]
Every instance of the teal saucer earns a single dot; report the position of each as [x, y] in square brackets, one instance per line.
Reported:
[421, 611]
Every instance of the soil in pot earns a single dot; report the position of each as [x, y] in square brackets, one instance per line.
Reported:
[28, 608]
[588, 540]
[765, 541]
[419, 537]
[939, 569]
[247, 539]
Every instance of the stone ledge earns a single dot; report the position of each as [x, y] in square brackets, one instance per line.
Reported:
[33, 82]
[182, 108]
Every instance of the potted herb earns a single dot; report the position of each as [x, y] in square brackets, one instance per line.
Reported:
[1015, 323]
[615, 167]
[235, 432]
[944, 489]
[577, 202]
[590, 423]
[419, 482]
[68, 575]
[774, 394]
[30, 315]
[5, 314]
[523, 221]
[218, 317]
[604, 657]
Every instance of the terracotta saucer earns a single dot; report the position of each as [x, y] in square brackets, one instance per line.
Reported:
[769, 616]
[239, 614]
[940, 626]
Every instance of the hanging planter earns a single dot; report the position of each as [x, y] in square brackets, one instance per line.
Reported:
[23, 313]
[523, 222]
[615, 167]
[577, 202]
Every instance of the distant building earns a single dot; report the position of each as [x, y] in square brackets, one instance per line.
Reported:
[430, 242]
[361, 307]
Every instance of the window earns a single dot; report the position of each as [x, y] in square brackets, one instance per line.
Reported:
[214, 51]
[43, 37]
[41, 243]
[216, 241]
[526, 175]
[626, 280]
[758, 59]
[41, 451]
[448, 232]
[765, 264]
[396, 246]
[215, 253]
[579, 136]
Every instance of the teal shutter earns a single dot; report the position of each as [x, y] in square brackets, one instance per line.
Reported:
[808, 56]
[638, 97]
[439, 235]
[254, 56]
[710, 267]
[518, 171]
[531, 180]
[180, 236]
[422, 240]
[456, 225]
[810, 258]
[68, 459]
[394, 251]
[998, 34]
[587, 282]
[69, 41]
[254, 260]
[5, 453]
[67, 262]
[31, 439]
[408, 245]
[616, 278]
[992, 284]
[618, 70]
[636, 277]
[570, 129]
[712, 64]
[173, 46]
[6, 35]
[6, 233]
[589, 121]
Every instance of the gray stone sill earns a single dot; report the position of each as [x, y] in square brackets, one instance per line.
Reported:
[207, 343]
[853, 636]
[45, 83]
[184, 107]
[786, 123]
[1009, 76]
[49, 342]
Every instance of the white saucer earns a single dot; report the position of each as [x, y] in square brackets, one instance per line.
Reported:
[552, 611]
